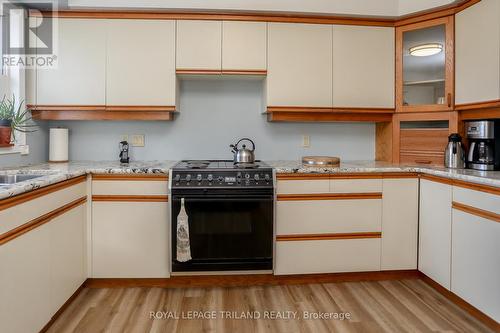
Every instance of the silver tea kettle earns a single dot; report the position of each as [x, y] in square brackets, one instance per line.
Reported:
[454, 154]
[243, 154]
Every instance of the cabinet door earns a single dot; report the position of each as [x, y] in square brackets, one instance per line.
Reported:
[475, 265]
[25, 282]
[299, 65]
[67, 248]
[199, 45]
[363, 66]
[477, 52]
[130, 240]
[434, 258]
[140, 66]
[79, 78]
[244, 45]
[399, 235]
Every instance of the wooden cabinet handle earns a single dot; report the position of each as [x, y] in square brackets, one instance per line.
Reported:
[423, 161]
[449, 100]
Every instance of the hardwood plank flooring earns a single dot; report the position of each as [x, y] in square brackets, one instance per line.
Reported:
[374, 306]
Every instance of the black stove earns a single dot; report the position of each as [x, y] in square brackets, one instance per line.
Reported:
[231, 213]
[221, 174]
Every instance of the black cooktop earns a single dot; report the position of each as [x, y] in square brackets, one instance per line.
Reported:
[218, 164]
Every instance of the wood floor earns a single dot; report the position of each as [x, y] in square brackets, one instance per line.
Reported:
[374, 306]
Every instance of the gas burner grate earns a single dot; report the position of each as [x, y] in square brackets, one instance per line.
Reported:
[194, 164]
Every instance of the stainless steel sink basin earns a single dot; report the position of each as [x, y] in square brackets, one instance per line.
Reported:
[17, 178]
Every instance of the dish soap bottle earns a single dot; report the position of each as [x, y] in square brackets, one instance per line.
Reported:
[183, 246]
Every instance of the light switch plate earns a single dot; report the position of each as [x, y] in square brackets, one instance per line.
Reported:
[137, 140]
[306, 141]
[24, 150]
[124, 137]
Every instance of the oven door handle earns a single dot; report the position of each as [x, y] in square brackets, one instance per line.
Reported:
[228, 199]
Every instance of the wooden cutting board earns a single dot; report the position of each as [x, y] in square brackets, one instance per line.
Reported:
[320, 161]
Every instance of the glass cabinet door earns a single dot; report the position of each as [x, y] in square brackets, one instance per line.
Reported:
[425, 66]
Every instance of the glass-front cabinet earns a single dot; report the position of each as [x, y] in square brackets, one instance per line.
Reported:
[424, 66]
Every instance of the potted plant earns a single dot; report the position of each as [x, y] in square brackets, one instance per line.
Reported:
[13, 119]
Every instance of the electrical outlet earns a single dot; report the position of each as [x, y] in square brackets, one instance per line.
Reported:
[306, 141]
[137, 140]
[124, 137]
[24, 150]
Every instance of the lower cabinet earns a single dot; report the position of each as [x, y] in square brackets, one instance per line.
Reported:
[130, 240]
[435, 231]
[40, 270]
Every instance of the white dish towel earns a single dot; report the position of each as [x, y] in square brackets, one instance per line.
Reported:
[183, 246]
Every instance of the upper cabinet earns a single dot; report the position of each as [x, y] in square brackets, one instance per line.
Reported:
[424, 66]
[299, 65]
[79, 78]
[244, 46]
[199, 45]
[363, 66]
[140, 63]
[477, 52]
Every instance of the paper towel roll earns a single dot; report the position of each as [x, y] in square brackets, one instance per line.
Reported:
[58, 146]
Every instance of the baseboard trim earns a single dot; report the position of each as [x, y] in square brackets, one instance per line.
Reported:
[64, 307]
[248, 280]
[463, 304]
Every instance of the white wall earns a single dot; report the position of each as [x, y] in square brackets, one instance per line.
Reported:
[214, 113]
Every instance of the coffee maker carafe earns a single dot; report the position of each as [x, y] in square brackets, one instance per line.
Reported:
[484, 150]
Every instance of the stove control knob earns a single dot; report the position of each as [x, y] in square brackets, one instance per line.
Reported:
[247, 175]
[199, 177]
[266, 177]
[220, 179]
[210, 178]
[238, 175]
[188, 178]
[256, 177]
[177, 178]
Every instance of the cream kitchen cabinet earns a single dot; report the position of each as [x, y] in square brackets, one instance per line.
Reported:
[199, 45]
[399, 224]
[299, 64]
[475, 268]
[130, 235]
[435, 231]
[140, 63]
[244, 46]
[477, 53]
[79, 78]
[363, 66]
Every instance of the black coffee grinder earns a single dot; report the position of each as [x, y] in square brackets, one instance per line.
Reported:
[124, 158]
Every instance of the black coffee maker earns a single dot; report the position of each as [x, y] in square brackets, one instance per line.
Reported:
[124, 158]
[484, 144]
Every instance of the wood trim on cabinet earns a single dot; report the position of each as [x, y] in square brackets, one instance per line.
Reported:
[187, 71]
[359, 175]
[437, 179]
[101, 115]
[142, 177]
[481, 316]
[64, 307]
[192, 281]
[478, 105]
[476, 211]
[28, 196]
[286, 108]
[35, 223]
[258, 72]
[147, 108]
[68, 107]
[476, 114]
[327, 116]
[461, 183]
[130, 198]
[329, 196]
[310, 237]
[302, 176]
[435, 13]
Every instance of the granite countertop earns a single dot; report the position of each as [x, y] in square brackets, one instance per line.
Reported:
[491, 178]
[57, 172]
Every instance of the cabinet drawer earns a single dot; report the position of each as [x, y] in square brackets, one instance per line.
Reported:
[477, 199]
[355, 185]
[426, 158]
[327, 256]
[130, 187]
[303, 186]
[328, 216]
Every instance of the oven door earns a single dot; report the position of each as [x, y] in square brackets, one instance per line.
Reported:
[227, 230]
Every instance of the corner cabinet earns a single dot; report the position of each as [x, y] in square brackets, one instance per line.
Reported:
[477, 52]
[140, 64]
[80, 75]
[425, 66]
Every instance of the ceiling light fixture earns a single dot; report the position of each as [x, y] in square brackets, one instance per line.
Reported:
[425, 50]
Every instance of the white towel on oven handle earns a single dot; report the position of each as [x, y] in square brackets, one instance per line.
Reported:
[183, 245]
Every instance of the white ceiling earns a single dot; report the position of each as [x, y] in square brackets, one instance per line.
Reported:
[384, 8]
